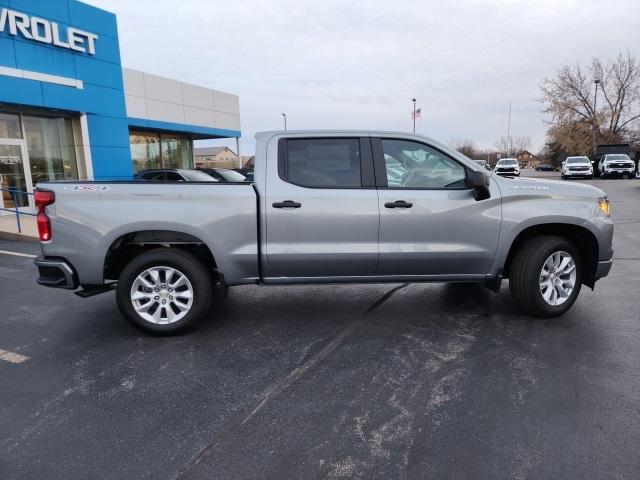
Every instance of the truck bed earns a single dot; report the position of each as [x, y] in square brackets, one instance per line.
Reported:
[88, 218]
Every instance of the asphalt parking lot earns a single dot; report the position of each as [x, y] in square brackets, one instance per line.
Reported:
[364, 381]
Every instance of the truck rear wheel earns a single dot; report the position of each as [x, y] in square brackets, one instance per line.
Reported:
[164, 291]
[545, 276]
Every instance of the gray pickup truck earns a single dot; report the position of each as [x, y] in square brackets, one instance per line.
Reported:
[325, 207]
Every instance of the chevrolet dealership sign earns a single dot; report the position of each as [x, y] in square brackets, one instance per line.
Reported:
[41, 30]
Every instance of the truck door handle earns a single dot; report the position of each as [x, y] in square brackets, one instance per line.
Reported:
[398, 204]
[286, 204]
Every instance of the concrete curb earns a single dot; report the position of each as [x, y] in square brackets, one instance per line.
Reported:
[18, 236]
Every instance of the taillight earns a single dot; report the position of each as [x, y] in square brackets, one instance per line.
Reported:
[42, 199]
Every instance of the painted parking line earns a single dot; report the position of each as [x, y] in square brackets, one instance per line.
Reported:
[17, 254]
[12, 357]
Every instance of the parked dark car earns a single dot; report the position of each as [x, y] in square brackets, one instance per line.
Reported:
[224, 174]
[545, 167]
[173, 175]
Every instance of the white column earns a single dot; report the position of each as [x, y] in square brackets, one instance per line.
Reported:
[86, 146]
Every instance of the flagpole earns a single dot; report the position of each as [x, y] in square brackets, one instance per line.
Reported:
[414, 114]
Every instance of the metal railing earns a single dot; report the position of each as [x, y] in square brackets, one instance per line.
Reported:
[15, 193]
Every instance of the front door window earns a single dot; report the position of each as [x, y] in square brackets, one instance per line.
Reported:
[413, 165]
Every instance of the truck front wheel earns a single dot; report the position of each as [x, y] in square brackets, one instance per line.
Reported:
[545, 276]
[164, 291]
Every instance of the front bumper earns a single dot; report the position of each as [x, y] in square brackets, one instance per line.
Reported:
[507, 174]
[578, 173]
[619, 170]
[603, 268]
[56, 272]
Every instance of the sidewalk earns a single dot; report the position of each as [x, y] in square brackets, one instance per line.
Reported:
[9, 227]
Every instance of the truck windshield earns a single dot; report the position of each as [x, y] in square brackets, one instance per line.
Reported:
[618, 157]
[508, 161]
[578, 160]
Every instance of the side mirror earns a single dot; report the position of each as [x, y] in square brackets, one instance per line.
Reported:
[480, 182]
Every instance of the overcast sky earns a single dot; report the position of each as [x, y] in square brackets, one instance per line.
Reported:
[357, 64]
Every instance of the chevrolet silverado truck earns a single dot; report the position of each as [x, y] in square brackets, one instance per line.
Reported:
[616, 164]
[325, 207]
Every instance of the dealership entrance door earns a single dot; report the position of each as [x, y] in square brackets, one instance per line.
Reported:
[15, 175]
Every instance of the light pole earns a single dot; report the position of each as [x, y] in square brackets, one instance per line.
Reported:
[595, 117]
[414, 114]
[509, 131]
[284, 116]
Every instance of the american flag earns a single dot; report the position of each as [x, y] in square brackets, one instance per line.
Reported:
[417, 114]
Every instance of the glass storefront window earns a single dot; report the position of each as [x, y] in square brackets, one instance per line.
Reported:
[145, 151]
[10, 125]
[51, 148]
[159, 150]
[176, 151]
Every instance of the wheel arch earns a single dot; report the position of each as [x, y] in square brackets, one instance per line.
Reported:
[124, 246]
[582, 238]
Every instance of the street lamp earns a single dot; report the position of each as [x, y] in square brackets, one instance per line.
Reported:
[284, 116]
[595, 116]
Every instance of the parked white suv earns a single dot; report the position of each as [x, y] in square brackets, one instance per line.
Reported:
[508, 167]
[618, 164]
[577, 167]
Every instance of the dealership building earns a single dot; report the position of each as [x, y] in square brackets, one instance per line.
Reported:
[69, 110]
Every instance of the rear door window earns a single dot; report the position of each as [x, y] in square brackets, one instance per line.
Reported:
[153, 176]
[323, 163]
[173, 177]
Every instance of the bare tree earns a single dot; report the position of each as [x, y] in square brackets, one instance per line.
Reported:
[570, 98]
[464, 146]
[513, 145]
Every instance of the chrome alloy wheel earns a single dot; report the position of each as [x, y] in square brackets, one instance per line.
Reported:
[162, 295]
[558, 278]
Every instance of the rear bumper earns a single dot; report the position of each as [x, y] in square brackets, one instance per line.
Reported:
[603, 268]
[56, 272]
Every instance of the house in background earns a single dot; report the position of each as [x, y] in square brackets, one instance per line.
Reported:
[528, 159]
[215, 157]
[248, 161]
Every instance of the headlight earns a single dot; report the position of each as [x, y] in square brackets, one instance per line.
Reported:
[603, 205]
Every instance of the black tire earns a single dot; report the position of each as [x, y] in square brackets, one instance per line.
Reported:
[189, 266]
[524, 275]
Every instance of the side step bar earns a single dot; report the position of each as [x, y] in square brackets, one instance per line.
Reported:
[92, 291]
